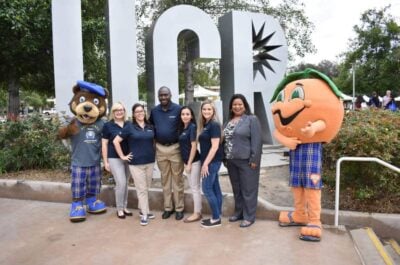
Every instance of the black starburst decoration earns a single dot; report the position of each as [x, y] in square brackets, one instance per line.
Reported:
[261, 51]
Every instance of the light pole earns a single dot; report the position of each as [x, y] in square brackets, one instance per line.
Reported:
[353, 66]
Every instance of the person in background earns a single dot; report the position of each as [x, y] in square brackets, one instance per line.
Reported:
[191, 158]
[140, 137]
[165, 118]
[112, 162]
[392, 104]
[211, 154]
[243, 148]
[386, 99]
[358, 103]
[374, 101]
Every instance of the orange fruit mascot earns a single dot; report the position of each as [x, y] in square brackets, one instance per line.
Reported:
[307, 111]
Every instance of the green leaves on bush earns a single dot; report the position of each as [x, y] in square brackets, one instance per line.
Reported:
[31, 144]
[374, 133]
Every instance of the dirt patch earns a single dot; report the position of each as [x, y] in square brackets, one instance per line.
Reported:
[273, 188]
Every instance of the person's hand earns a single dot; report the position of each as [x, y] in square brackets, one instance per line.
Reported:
[107, 166]
[188, 168]
[309, 130]
[128, 157]
[204, 171]
[253, 165]
[292, 142]
[72, 127]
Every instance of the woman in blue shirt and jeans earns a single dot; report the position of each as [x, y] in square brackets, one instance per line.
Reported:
[211, 154]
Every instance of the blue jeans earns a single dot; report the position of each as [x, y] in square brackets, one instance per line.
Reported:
[212, 190]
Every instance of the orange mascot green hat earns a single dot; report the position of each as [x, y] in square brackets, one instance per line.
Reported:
[304, 98]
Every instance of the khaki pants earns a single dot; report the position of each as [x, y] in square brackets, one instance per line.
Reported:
[170, 163]
[142, 176]
[194, 183]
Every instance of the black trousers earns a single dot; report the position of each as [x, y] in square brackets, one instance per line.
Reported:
[244, 182]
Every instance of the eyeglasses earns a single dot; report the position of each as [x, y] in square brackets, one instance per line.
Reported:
[139, 111]
[119, 110]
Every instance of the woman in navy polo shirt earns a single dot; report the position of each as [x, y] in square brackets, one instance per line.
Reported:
[112, 161]
[211, 154]
[191, 158]
[140, 136]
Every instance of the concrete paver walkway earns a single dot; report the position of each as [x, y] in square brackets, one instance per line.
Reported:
[34, 232]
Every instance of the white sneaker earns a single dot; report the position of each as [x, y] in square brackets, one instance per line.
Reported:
[144, 220]
[149, 215]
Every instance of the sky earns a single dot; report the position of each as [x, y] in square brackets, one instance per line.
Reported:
[334, 21]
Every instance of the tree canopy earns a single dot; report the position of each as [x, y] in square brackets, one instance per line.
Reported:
[26, 39]
[374, 54]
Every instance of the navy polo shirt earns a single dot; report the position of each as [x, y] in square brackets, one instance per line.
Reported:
[141, 143]
[110, 130]
[166, 123]
[212, 129]
[186, 138]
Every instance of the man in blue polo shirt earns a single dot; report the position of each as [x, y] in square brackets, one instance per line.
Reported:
[165, 118]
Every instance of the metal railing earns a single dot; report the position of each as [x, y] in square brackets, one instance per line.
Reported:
[360, 159]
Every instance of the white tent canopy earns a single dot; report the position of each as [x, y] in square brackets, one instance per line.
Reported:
[346, 97]
[201, 92]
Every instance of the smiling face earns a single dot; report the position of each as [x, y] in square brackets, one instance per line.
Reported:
[238, 107]
[186, 116]
[164, 96]
[307, 100]
[139, 114]
[207, 111]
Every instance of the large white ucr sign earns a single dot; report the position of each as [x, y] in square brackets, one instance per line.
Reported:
[251, 47]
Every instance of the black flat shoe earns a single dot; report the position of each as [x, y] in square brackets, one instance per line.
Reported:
[128, 213]
[179, 216]
[167, 214]
[235, 218]
[119, 215]
[246, 223]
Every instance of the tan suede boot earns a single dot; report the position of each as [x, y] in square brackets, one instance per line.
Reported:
[299, 216]
[313, 230]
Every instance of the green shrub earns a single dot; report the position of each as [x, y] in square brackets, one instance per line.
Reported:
[31, 144]
[373, 133]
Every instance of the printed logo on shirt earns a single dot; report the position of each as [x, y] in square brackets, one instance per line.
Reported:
[90, 137]
[172, 117]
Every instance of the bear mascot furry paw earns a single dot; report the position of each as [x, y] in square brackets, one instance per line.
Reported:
[89, 105]
[307, 112]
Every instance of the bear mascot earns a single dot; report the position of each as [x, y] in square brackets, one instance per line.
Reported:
[88, 105]
[307, 111]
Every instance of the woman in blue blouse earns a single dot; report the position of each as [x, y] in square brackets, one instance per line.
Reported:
[140, 137]
[191, 158]
[112, 162]
[211, 153]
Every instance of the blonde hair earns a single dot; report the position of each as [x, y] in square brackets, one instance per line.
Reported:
[202, 121]
[115, 106]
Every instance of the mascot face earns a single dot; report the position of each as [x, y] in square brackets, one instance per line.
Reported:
[303, 101]
[88, 106]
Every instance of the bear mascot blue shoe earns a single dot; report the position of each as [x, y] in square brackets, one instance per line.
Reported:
[88, 105]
